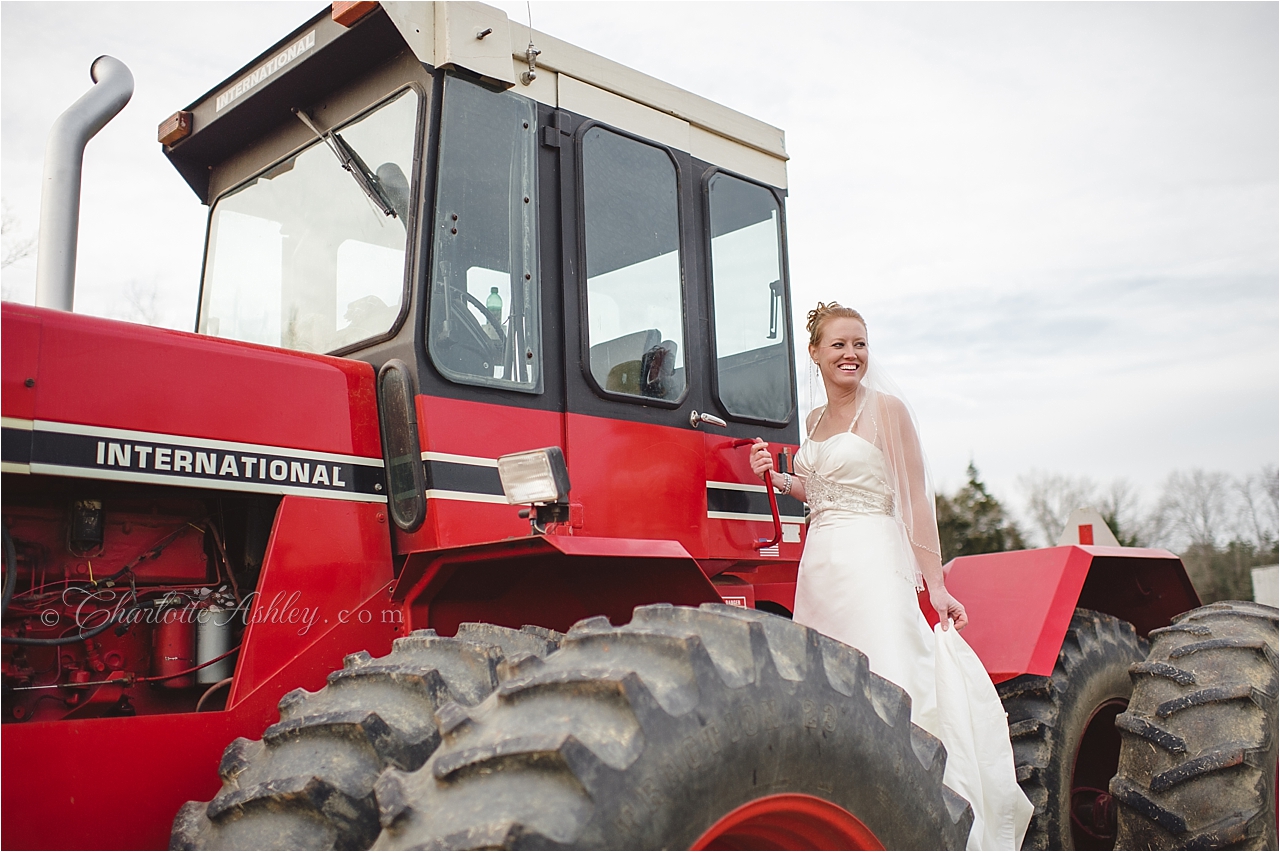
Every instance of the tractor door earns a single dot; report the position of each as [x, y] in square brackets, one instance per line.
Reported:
[676, 308]
[752, 384]
[635, 339]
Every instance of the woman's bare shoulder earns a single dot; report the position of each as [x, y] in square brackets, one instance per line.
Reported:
[812, 419]
[892, 404]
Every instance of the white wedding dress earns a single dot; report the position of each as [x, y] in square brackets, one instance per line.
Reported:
[856, 585]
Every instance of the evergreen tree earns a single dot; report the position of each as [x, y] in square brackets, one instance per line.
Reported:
[973, 521]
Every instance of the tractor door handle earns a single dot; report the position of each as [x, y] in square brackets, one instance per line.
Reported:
[696, 419]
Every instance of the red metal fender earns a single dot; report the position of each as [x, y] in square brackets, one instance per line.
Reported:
[1020, 602]
[326, 564]
[551, 581]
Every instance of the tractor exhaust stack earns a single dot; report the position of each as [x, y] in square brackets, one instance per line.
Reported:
[63, 163]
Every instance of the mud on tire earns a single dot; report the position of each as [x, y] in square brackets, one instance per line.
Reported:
[308, 783]
[1198, 760]
[644, 736]
[1050, 716]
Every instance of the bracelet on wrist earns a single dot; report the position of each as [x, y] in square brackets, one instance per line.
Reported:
[786, 487]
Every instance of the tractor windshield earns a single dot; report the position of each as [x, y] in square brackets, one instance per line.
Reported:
[300, 257]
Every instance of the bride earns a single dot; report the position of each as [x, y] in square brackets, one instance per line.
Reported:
[872, 544]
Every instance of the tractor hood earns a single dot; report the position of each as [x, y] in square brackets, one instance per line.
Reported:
[115, 401]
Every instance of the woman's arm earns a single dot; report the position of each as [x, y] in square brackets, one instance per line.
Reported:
[762, 461]
[907, 459]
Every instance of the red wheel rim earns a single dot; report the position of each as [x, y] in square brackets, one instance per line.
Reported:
[788, 821]
[1093, 817]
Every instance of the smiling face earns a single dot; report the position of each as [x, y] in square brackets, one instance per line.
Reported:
[841, 353]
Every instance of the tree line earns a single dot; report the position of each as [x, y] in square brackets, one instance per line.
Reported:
[1221, 526]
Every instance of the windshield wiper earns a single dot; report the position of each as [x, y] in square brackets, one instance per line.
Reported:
[351, 161]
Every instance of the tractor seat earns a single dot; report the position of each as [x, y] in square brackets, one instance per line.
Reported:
[615, 364]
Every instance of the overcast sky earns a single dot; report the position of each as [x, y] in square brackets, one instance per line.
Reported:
[1060, 220]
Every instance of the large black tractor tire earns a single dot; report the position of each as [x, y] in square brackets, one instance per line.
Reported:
[1062, 728]
[647, 736]
[308, 783]
[1198, 760]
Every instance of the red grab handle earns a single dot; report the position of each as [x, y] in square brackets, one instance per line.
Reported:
[773, 502]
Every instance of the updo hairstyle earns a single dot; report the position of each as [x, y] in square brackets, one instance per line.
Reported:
[824, 312]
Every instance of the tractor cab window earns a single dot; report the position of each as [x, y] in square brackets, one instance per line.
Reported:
[753, 348]
[301, 256]
[635, 304]
[484, 278]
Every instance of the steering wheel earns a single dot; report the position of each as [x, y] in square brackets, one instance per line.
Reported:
[469, 336]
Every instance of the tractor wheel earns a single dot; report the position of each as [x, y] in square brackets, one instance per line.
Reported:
[1065, 744]
[1198, 760]
[710, 728]
[308, 783]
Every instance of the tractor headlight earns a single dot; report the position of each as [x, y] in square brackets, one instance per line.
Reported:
[535, 476]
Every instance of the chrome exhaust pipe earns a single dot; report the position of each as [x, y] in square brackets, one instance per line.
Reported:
[63, 164]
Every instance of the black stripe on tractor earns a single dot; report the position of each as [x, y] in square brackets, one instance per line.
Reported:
[459, 476]
[751, 503]
[15, 445]
[187, 463]
[365, 479]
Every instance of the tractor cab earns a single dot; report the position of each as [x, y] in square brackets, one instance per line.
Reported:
[545, 247]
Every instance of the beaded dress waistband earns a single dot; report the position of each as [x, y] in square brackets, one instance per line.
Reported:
[822, 494]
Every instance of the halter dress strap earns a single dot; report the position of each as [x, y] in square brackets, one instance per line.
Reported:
[821, 414]
[857, 415]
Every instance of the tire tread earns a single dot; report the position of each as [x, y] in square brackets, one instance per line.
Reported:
[319, 763]
[1096, 645]
[593, 748]
[1218, 790]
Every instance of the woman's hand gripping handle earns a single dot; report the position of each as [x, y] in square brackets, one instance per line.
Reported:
[758, 446]
[761, 460]
[762, 466]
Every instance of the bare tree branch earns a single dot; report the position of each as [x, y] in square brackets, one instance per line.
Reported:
[1121, 507]
[15, 246]
[1051, 498]
[143, 302]
[1259, 506]
[1196, 507]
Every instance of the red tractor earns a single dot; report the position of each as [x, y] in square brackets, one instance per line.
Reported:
[484, 322]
